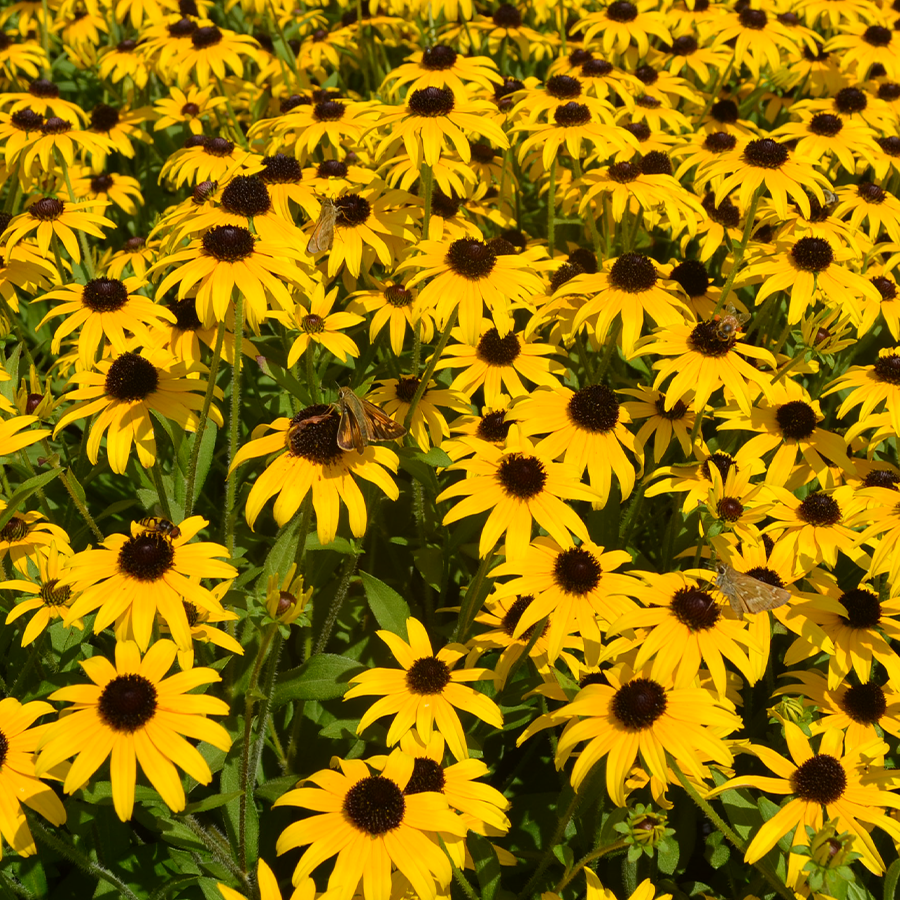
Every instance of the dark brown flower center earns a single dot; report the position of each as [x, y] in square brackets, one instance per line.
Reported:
[864, 703]
[146, 557]
[765, 153]
[471, 259]
[577, 571]
[633, 273]
[706, 340]
[228, 243]
[796, 419]
[819, 510]
[313, 435]
[281, 169]
[431, 102]
[820, 780]
[427, 775]
[695, 609]
[47, 209]
[127, 703]
[374, 805]
[427, 676]
[205, 37]
[246, 195]
[521, 476]
[639, 703]
[493, 427]
[131, 378]
[104, 295]
[863, 609]
[594, 408]
[571, 115]
[498, 351]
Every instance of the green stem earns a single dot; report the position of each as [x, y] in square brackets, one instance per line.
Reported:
[429, 369]
[249, 704]
[632, 235]
[45, 37]
[82, 238]
[201, 424]
[15, 189]
[428, 190]
[235, 122]
[741, 250]
[312, 382]
[15, 319]
[788, 366]
[305, 521]
[74, 855]
[551, 210]
[157, 475]
[470, 603]
[461, 879]
[217, 847]
[612, 344]
[589, 858]
[417, 347]
[81, 508]
[714, 93]
[585, 361]
[529, 892]
[336, 603]
[726, 831]
[235, 419]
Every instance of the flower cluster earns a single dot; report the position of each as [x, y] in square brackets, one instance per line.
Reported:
[490, 409]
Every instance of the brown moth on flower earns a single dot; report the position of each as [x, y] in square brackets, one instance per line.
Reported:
[747, 594]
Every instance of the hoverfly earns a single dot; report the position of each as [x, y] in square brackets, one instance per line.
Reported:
[747, 594]
[729, 324]
[158, 525]
[323, 234]
[363, 423]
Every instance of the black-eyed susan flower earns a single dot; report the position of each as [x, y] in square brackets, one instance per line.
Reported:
[660, 424]
[833, 782]
[701, 361]
[881, 529]
[312, 460]
[769, 164]
[191, 108]
[571, 125]
[467, 274]
[576, 587]
[809, 269]
[823, 136]
[28, 536]
[58, 137]
[138, 253]
[681, 628]
[871, 387]
[51, 599]
[497, 364]
[433, 120]
[628, 290]
[634, 715]
[101, 312]
[519, 487]
[132, 578]
[859, 628]
[426, 692]
[318, 325]
[854, 708]
[624, 26]
[19, 781]
[213, 51]
[105, 188]
[736, 505]
[396, 307]
[134, 714]
[124, 60]
[125, 391]
[309, 127]
[871, 204]
[229, 257]
[441, 66]
[201, 623]
[370, 826]
[49, 218]
[786, 420]
[587, 428]
[815, 525]
[428, 426]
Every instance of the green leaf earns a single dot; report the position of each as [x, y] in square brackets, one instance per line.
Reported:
[891, 880]
[25, 491]
[323, 677]
[435, 457]
[487, 866]
[283, 550]
[204, 461]
[390, 610]
[213, 802]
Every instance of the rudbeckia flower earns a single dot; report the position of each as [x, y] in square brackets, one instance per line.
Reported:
[519, 487]
[312, 460]
[27, 536]
[870, 388]
[576, 587]
[787, 421]
[426, 692]
[587, 428]
[124, 391]
[52, 601]
[432, 117]
[371, 826]
[636, 715]
[466, 275]
[135, 715]
[50, 218]
[189, 108]
[441, 66]
[320, 326]
[498, 364]
[834, 783]
[395, 307]
[132, 578]
[19, 781]
[702, 362]
[212, 51]
[102, 311]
